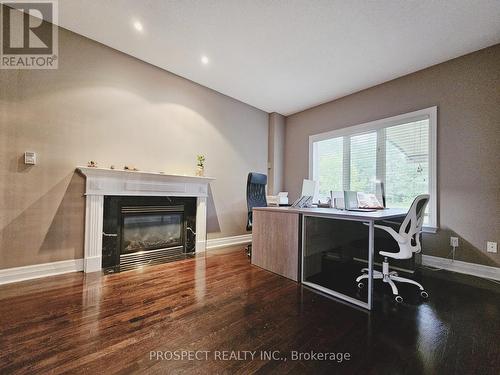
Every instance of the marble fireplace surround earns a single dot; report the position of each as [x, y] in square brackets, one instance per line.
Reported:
[102, 181]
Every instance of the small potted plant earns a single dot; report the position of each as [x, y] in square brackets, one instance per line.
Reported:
[200, 165]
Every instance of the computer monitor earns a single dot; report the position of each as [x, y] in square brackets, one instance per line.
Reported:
[350, 200]
[380, 192]
[310, 188]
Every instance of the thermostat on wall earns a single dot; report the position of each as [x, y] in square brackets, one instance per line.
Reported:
[29, 158]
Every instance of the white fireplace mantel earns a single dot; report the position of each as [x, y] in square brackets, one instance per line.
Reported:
[102, 181]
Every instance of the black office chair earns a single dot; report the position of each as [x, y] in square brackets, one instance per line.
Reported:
[256, 197]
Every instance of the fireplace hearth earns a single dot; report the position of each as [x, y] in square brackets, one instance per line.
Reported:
[139, 231]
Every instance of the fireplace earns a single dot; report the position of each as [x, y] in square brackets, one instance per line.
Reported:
[103, 189]
[146, 228]
[139, 231]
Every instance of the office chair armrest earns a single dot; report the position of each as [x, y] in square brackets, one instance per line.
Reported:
[392, 232]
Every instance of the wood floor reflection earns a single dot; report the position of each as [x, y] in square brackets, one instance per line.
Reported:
[111, 323]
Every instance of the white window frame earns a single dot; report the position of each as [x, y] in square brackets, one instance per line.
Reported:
[422, 114]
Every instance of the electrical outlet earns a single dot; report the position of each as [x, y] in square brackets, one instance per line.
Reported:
[454, 241]
[491, 247]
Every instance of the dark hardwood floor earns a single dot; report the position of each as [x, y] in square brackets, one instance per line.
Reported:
[109, 324]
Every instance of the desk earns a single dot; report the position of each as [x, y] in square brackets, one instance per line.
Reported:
[278, 241]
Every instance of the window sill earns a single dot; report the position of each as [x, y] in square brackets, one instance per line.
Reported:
[427, 229]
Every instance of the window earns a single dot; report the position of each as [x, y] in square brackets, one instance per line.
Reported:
[399, 151]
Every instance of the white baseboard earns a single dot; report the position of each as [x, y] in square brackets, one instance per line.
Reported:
[11, 275]
[216, 243]
[462, 267]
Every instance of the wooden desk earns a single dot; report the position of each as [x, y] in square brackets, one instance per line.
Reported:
[277, 240]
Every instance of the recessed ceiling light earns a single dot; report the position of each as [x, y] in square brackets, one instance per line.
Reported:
[204, 60]
[138, 26]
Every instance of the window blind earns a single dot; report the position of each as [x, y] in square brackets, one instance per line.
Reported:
[363, 163]
[406, 163]
[397, 155]
[330, 165]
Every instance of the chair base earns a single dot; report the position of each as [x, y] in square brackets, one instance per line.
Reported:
[390, 277]
[248, 249]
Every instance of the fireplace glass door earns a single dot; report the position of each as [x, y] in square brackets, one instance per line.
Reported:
[151, 231]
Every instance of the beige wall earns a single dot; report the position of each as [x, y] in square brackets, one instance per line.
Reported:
[106, 106]
[276, 153]
[467, 93]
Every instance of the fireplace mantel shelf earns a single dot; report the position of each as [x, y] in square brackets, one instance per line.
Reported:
[110, 172]
[104, 181]
[103, 172]
[101, 182]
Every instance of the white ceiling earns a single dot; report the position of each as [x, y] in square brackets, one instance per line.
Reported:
[285, 56]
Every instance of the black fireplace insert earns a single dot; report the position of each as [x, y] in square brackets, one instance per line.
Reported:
[139, 231]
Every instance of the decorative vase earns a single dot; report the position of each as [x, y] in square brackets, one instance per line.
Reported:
[200, 170]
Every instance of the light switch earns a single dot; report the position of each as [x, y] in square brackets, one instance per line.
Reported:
[29, 158]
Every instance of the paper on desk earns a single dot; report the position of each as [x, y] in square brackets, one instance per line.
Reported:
[366, 200]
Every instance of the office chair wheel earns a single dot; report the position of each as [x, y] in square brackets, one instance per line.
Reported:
[399, 299]
[424, 294]
[361, 285]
